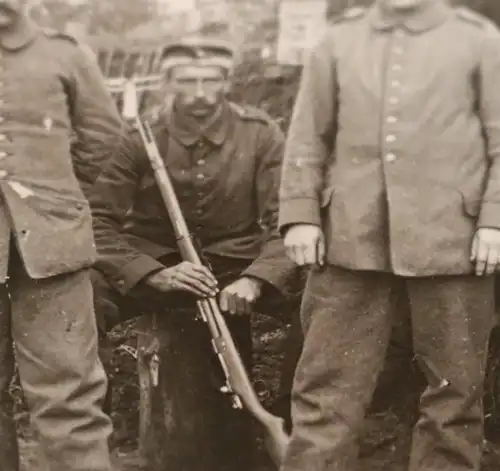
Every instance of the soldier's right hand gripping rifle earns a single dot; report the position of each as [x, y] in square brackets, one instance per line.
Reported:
[238, 383]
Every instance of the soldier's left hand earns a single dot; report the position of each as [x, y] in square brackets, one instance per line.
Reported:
[239, 297]
[485, 251]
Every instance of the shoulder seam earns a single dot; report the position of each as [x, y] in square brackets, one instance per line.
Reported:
[54, 33]
[250, 113]
[471, 16]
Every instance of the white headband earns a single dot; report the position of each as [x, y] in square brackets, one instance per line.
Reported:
[213, 61]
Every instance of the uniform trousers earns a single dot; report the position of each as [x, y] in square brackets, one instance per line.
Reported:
[399, 377]
[51, 325]
[194, 426]
[346, 321]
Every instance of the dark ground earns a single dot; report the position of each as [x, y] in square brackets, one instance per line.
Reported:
[385, 440]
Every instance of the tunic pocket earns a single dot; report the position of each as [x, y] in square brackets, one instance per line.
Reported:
[471, 204]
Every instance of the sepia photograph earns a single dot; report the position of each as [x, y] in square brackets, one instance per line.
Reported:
[249, 235]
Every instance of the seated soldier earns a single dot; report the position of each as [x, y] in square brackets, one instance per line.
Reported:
[224, 160]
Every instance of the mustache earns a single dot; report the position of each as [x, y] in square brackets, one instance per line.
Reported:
[200, 103]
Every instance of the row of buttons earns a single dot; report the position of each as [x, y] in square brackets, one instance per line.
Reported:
[199, 176]
[395, 87]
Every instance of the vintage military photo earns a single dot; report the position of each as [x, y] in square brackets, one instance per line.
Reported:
[249, 235]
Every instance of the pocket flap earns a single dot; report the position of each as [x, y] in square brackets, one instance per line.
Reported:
[471, 205]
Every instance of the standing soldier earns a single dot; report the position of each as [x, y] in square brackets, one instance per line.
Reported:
[391, 182]
[224, 161]
[57, 126]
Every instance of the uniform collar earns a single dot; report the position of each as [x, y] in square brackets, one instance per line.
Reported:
[430, 17]
[23, 34]
[189, 131]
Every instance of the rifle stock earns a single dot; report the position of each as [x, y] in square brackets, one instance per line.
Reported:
[238, 383]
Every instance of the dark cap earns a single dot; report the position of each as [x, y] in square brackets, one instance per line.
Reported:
[209, 52]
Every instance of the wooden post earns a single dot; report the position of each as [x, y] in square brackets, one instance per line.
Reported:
[147, 347]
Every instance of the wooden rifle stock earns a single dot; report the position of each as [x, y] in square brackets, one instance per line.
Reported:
[238, 383]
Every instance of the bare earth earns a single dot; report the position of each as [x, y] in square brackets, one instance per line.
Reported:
[384, 445]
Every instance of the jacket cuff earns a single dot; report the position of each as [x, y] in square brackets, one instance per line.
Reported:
[298, 211]
[135, 271]
[270, 273]
[489, 215]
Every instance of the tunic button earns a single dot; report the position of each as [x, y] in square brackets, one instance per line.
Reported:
[2, 119]
[200, 176]
[396, 67]
[390, 158]
[3, 154]
[391, 119]
[3, 137]
[201, 162]
[390, 138]
[398, 50]
[3, 173]
[393, 100]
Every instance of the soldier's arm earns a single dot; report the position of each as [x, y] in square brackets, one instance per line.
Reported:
[310, 138]
[111, 198]
[489, 108]
[272, 266]
[97, 125]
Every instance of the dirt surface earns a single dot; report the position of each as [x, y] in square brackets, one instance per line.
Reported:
[384, 444]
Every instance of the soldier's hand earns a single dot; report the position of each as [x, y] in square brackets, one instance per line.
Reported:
[185, 276]
[305, 244]
[485, 251]
[240, 296]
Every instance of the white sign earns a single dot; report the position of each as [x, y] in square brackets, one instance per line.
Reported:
[301, 23]
[179, 17]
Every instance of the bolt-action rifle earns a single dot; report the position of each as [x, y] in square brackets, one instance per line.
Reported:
[237, 381]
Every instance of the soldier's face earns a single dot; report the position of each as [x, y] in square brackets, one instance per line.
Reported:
[198, 90]
[401, 5]
[10, 11]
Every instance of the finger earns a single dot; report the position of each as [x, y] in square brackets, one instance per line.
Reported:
[233, 305]
[299, 256]
[245, 304]
[290, 252]
[201, 277]
[310, 253]
[481, 257]
[321, 250]
[206, 273]
[182, 285]
[194, 283]
[223, 301]
[492, 261]
[473, 250]
[239, 304]
[249, 303]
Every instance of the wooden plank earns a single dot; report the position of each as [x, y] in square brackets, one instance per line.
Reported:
[147, 347]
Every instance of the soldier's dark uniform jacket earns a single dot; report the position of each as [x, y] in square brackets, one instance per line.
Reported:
[226, 180]
[58, 124]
